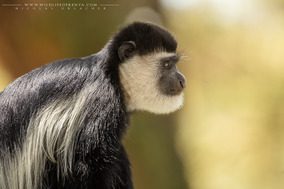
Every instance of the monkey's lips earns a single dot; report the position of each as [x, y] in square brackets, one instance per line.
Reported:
[175, 92]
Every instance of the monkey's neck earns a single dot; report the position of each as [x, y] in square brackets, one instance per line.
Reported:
[106, 118]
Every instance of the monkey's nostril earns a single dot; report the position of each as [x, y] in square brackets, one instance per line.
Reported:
[182, 83]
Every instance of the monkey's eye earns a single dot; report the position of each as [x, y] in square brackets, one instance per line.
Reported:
[167, 64]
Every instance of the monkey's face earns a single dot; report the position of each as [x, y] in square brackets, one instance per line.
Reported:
[152, 82]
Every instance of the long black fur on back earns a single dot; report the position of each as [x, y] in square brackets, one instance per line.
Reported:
[98, 158]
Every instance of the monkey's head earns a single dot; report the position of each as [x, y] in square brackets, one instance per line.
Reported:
[147, 70]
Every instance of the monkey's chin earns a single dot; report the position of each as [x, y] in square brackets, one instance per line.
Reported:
[162, 104]
[168, 105]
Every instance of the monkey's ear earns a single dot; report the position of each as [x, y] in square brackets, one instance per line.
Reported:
[126, 50]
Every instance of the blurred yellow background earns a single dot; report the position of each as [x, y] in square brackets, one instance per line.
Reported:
[230, 132]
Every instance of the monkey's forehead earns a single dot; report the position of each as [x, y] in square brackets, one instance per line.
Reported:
[147, 36]
[161, 56]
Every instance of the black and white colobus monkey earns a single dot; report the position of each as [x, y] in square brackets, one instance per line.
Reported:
[61, 125]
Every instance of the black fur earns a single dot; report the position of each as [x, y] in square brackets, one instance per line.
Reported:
[148, 37]
[100, 160]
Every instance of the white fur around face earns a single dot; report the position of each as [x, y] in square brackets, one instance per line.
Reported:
[139, 78]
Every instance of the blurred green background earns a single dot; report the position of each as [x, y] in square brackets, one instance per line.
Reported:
[230, 132]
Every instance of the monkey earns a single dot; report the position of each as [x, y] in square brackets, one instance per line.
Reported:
[61, 125]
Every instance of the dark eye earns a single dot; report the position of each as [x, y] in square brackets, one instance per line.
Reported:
[167, 64]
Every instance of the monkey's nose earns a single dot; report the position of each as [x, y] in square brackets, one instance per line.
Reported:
[179, 85]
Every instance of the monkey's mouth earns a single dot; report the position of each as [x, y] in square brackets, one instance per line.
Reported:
[175, 91]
